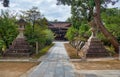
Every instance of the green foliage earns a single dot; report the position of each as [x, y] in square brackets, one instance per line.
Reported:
[49, 36]
[43, 51]
[1, 46]
[79, 28]
[84, 31]
[37, 36]
[83, 10]
[36, 29]
[44, 37]
[103, 38]
[111, 50]
[112, 23]
[32, 14]
[68, 20]
[42, 22]
[71, 33]
[41, 34]
[8, 30]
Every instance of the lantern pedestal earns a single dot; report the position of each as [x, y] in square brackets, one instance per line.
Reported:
[19, 46]
[93, 47]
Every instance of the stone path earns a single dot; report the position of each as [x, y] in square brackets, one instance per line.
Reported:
[98, 73]
[56, 64]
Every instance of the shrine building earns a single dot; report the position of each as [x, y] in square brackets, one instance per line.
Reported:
[59, 29]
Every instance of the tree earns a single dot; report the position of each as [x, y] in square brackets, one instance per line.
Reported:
[8, 30]
[5, 3]
[37, 32]
[68, 20]
[112, 23]
[85, 9]
[43, 22]
[55, 20]
[78, 36]
[40, 37]
[32, 15]
[49, 36]
[99, 23]
[71, 33]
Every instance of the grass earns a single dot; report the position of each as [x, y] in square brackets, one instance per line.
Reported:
[42, 51]
[71, 51]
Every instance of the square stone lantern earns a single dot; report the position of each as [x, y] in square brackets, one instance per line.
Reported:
[20, 46]
[21, 27]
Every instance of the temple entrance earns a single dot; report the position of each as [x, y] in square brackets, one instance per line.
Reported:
[59, 29]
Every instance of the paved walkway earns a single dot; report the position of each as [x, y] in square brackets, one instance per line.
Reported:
[56, 64]
[98, 73]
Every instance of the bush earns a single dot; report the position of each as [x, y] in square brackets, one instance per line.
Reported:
[49, 36]
[111, 50]
[41, 35]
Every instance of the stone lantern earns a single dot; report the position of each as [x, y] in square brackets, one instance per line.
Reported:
[20, 46]
[21, 27]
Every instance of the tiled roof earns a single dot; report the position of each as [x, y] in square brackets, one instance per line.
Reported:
[59, 24]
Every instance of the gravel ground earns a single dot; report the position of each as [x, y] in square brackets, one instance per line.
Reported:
[15, 69]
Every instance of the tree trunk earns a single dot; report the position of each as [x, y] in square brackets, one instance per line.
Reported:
[37, 48]
[77, 47]
[99, 23]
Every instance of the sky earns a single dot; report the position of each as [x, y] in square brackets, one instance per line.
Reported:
[47, 7]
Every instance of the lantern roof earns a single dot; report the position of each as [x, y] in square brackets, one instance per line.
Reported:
[21, 21]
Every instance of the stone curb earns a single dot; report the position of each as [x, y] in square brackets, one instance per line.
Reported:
[19, 60]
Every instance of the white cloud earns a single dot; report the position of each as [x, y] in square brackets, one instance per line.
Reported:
[47, 7]
[117, 5]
